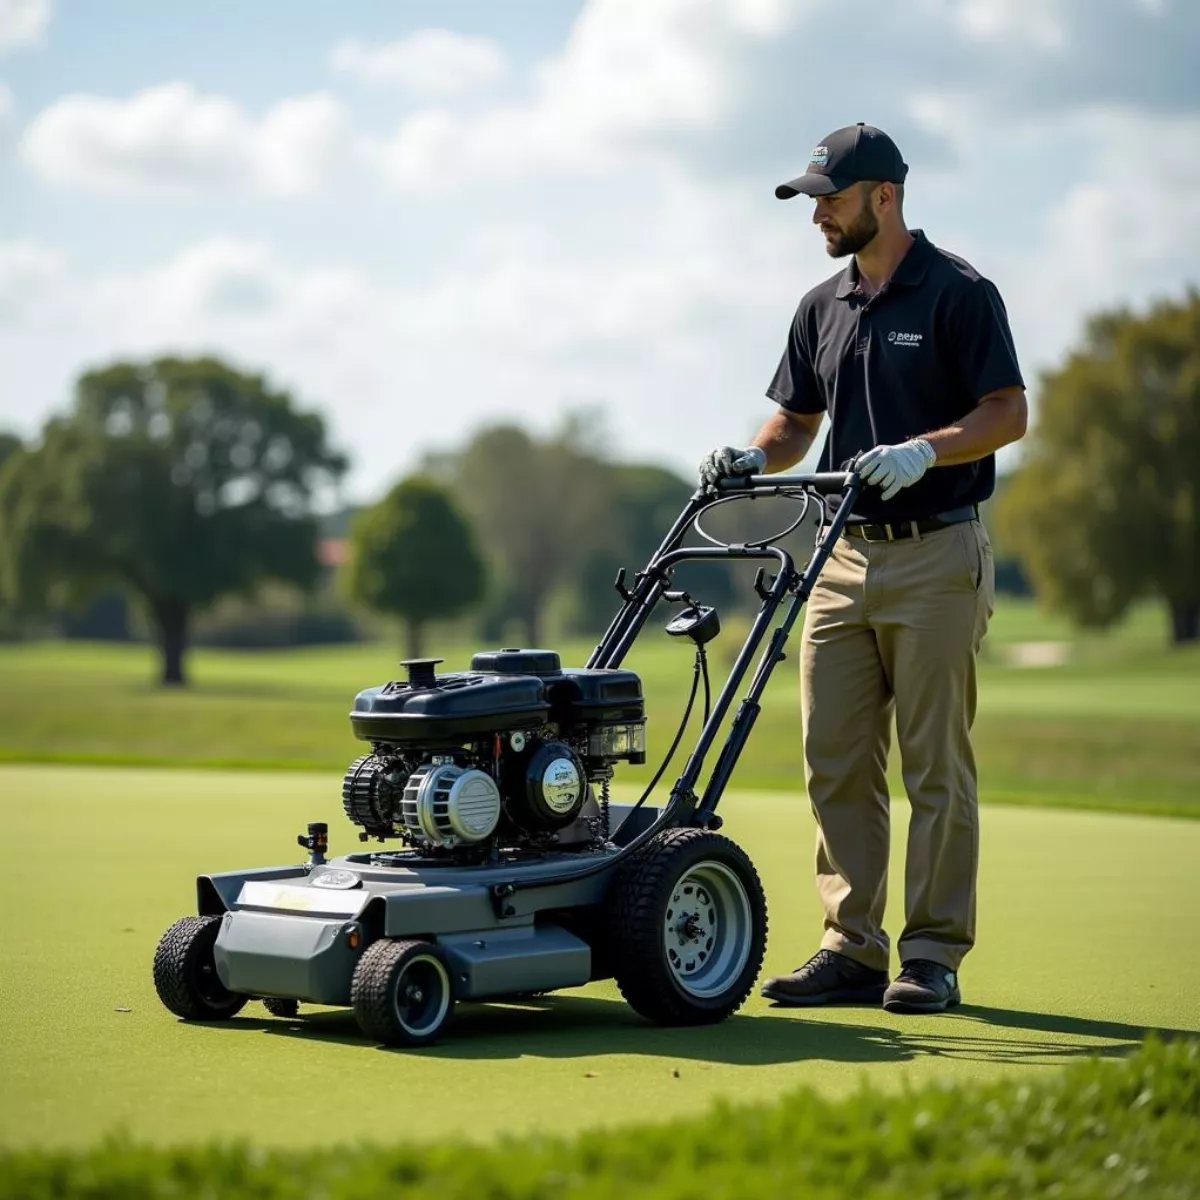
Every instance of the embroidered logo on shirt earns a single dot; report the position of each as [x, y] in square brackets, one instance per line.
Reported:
[905, 339]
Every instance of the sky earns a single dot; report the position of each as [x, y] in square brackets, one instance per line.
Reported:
[422, 217]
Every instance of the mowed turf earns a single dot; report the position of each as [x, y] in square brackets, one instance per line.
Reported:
[1087, 927]
[1116, 726]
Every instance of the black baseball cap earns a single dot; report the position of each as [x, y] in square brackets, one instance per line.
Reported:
[853, 154]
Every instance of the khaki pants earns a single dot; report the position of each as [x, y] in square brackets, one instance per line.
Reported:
[895, 627]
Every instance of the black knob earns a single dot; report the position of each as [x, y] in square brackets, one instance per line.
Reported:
[421, 673]
[317, 838]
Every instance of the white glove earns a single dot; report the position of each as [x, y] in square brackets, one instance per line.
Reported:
[896, 467]
[730, 461]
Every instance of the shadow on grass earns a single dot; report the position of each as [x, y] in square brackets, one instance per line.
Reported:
[590, 1027]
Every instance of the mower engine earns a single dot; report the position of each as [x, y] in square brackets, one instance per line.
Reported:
[500, 756]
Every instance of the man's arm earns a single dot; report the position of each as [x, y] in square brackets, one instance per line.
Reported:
[997, 420]
[786, 437]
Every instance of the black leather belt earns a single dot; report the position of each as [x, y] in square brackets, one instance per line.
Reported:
[899, 530]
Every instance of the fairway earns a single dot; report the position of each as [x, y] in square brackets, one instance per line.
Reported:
[1116, 726]
[1087, 939]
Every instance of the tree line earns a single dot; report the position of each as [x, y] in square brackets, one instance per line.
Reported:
[181, 481]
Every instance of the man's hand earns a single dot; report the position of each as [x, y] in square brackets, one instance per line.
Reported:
[894, 467]
[730, 461]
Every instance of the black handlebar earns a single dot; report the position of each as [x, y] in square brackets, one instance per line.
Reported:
[826, 483]
[789, 588]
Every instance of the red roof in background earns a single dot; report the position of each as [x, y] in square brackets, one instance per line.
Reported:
[333, 552]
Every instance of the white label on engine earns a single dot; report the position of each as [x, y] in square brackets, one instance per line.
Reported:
[560, 785]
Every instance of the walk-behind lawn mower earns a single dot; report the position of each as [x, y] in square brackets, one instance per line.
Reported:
[514, 872]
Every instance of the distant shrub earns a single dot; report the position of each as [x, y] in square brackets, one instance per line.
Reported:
[268, 630]
[277, 616]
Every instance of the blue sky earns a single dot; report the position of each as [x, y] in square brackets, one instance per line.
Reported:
[422, 216]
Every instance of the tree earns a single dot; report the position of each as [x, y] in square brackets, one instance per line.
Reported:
[1105, 509]
[9, 445]
[414, 555]
[180, 480]
[642, 501]
[538, 506]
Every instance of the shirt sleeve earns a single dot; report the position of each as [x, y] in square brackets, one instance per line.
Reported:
[983, 342]
[795, 384]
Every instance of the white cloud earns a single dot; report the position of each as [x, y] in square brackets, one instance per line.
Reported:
[630, 74]
[675, 321]
[664, 293]
[7, 118]
[170, 138]
[525, 321]
[29, 273]
[1112, 239]
[1037, 23]
[1120, 224]
[22, 22]
[430, 62]
[940, 113]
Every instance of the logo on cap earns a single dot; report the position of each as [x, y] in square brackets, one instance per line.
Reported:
[820, 156]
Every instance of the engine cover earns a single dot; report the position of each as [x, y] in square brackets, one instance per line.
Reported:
[544, 787]
[451, 710]
[448, 805]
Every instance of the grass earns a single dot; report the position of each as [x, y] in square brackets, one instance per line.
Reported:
[1117, 726]
[1097, 1129]
[1086, 943]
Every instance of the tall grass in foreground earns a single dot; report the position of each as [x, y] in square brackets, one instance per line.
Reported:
[1111, 1129]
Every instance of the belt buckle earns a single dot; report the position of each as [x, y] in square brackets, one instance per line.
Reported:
[888, 535]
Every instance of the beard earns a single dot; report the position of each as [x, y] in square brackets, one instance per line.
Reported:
[862, 230]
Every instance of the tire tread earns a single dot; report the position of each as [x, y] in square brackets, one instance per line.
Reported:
[174, 961]
[371, 991]
[640, 970]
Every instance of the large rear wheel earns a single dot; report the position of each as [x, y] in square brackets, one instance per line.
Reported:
[689, 928]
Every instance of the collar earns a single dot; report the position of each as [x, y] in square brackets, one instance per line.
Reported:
[909, 272]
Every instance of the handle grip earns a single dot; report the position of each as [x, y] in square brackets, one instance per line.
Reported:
[825, 483]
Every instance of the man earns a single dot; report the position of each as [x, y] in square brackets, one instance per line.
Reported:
[909, 352]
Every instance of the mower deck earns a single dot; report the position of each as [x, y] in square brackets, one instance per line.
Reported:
[298, 932]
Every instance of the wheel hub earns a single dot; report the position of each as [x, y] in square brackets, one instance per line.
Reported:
[690, 928]
[707, 928]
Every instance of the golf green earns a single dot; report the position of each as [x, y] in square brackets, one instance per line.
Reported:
[1088, 938]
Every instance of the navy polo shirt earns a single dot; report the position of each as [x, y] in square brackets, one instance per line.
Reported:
[918, 355]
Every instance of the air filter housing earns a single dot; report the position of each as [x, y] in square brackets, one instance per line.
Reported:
[448, 805]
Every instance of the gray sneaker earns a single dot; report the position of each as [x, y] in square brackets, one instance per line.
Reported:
[828, 978]
[923, 987]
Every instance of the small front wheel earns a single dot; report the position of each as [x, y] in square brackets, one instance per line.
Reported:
[401, 992]
[185, 972]
[282, 1006]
